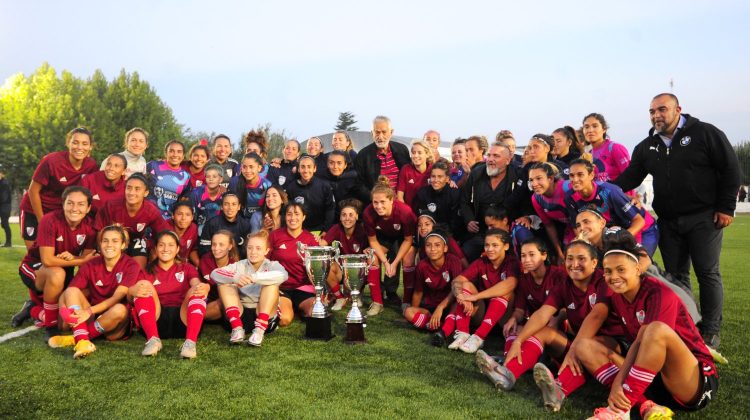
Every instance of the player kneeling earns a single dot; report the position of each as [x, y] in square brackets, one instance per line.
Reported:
[253, 282]
[170, 300]
[432, 286]
[93, 304]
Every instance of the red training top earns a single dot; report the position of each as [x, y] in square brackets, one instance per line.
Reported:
[101, 284]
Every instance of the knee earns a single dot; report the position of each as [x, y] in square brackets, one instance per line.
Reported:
[656, 331]
[118, 312]
[285, 319]
[588, 347]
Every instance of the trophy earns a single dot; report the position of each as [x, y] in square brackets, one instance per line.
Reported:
[354, 268]
[317, 261]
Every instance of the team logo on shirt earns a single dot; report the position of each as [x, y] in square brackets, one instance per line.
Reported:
[158, 191]
[432, 207]
[282, 179]
[623, 321]
[592, 299]
[30, 231]
[299, 200]
[198, 183]
[139, 227]
[446, 276]
[397, 226]
[96, 197]
[80, 239]
[640, 315]
[63, 179]
[189, 241]
[566, 171]
[685, 141]
[355, 247]
[59, 238]
[229, 172]
[118, 277]
[99, 283]
[655, 148]
[180, 276]
[502, 276]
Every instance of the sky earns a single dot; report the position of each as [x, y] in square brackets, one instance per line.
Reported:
[461, 68]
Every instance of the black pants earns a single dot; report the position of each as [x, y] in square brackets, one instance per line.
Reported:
[695, 238]
[4, 216]
[389, 286]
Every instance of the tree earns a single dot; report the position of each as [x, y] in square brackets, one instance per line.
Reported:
[743, 154]
[346, 122]
[37, 111]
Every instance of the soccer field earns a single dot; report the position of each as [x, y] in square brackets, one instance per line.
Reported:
[396, 375]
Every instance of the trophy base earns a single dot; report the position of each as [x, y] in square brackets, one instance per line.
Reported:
[355, 334]
[319, 328]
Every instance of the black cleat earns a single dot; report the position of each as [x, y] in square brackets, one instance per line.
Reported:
[438, 339]
[22, 315]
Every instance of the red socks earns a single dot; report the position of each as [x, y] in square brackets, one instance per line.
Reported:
[495, 311]
[569, 382]
[145, 309]
[531, 349]
[635, 384]
[261, 322]
[509, 342]
[409, 275]
[81, 332]
[606, 374]
[196, 311]
[336, 290]
[50, 314]
[421, 321]
[234, 317]
[373, 279]
[449, 325]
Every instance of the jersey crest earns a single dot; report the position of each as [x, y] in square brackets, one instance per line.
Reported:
[641, 316]
[592, 299]
[432, 207]
[397, 226]
[282, 179]
[685, 141]
[118, 276]
[355, 247]
[180, 276]
[80, 238]
[140, 226]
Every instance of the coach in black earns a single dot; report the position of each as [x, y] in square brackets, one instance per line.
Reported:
[696, 178]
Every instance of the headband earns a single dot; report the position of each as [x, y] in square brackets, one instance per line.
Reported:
[620, 251]
[445, 241]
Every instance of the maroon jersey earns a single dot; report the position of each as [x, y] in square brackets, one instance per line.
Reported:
[148, 216]
[531, 296]
[410, 180]
[54, 232]
[102, 190]
[171, 285]
[188, 240]
[196, 178]
[101, 284]
[354, 245]
[284, 250]
[207, 265]
[655, 301]
[401, 224]
[435, 283]
[484, 276]
[55, 173]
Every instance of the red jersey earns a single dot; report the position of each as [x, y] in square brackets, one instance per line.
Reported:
[101, 284]
[655, 301]
[171, 285]
[102, 190]
[55, 173]
[410, 180]
[531, 296]
[54, 232]
[188, 240]
[354, 245]
[208, 264]
[401, 224]
[196, 178]
[484, 275]
[117, 212]
[435, 283]
[284, 250]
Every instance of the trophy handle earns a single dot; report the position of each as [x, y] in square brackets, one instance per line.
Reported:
[336, 250]
[301, 249]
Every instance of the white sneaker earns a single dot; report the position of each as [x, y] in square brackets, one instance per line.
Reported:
[238, 335]
[339, 305]
[152, 348]
[375, 309]
[552, 393]
[256, 338]
[472, 344]
[460, 338]
[188, 350]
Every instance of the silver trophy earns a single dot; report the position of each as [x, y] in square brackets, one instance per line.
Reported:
[355, 268]
[317, 261]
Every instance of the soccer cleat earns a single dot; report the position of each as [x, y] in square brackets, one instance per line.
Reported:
[188, 350]
[339, 304]
[375, 309]
[22, 315]
[718, 357]
[238, 335]
[438, 339]
[653, 411]
[472, 344]
[83, 348]
[256, 338]
[404, 306]
[487, 365]
[61, 341]
[459, 339]
[606, 413]
[552, 394]
[152, 348]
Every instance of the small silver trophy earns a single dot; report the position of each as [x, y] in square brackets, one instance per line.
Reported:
[317, 261]
[355, 268]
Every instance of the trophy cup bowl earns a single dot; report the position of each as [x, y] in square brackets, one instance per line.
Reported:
[317, 262]
[355, 268]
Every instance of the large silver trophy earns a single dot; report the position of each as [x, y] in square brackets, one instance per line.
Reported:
[317, 261]
[355, 268]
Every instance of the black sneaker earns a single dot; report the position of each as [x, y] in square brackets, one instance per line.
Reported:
[438, 339]
[22, 315]
[712, 340]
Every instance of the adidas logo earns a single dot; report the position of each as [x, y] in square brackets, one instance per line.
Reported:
[142, 311]
[411, 181]
[427, 280]
[63, 179]
[99, 283]
[59, 238]
[377, 227]
[157, 282]
[488, 321]
[529, 297]
[572, 306]
[197, 311]
[282, 246]
[96, 197]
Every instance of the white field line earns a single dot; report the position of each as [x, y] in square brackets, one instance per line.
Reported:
[16, 334]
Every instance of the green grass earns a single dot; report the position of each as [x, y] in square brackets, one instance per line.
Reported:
[396, 375]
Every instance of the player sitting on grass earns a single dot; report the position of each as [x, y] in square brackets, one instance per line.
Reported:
[93, 304]
[170, 301]
[249, 291]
